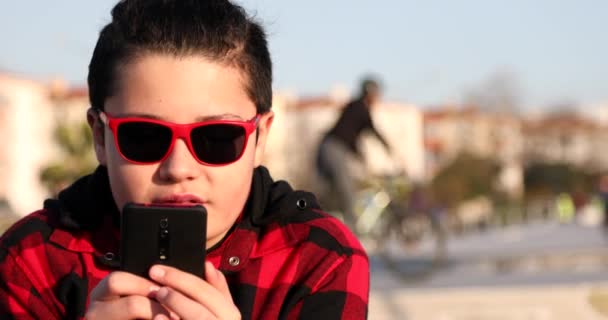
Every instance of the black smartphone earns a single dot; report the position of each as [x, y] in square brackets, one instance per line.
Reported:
[174, 236]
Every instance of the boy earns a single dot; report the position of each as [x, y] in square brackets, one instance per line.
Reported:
[180, 95]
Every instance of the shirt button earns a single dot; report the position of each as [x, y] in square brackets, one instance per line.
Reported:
[301, 204]
[109, 256]
[234, 261]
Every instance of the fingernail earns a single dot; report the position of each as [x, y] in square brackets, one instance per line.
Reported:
[157, 272]
[160, 317]
[153, 291]
[209, 269]
[209, 266]
[162, 293]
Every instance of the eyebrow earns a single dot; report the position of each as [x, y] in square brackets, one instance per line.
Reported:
[224, 116]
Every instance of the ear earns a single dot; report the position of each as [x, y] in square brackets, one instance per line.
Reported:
[97, 127]
[263, 130]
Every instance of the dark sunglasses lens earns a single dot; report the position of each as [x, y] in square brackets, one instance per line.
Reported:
[143, 141]
[218, 143]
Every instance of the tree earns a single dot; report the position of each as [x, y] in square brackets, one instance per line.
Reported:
[465, 178]
[500, 92]
[545, 179]
[77, 159]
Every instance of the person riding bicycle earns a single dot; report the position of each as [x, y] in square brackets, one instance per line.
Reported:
[338, 154]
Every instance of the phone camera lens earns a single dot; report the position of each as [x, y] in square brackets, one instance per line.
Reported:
[164, 233]
[164, 223]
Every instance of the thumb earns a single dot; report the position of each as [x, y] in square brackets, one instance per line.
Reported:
[217, 279]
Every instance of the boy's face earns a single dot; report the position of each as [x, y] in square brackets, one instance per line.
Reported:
[182, 90]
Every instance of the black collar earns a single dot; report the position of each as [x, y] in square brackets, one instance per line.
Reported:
[84, 204]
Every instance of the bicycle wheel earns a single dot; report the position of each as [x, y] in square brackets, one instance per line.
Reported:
[410, 247]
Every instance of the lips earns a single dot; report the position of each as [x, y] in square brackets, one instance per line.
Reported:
[179, 200]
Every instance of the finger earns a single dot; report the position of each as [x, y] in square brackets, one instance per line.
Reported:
[119, 283]
[130, 307]
[164, 317]
[188, 284]
[182, 306]
[197, 289]
[172, 316]
[217, 279]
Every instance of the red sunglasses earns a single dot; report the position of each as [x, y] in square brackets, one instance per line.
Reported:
[213, 143]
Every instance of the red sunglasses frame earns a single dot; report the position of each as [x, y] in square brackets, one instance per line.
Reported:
[179, 131]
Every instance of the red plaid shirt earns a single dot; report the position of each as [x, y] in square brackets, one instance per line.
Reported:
[294, 261]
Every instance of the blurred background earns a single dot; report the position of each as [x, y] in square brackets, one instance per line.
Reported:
[492, 205]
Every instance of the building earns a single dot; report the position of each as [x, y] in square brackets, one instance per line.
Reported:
[450, 131]
[567, 138]
[26, 119]
[29, 112]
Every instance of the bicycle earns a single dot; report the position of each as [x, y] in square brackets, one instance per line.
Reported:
[387, 224]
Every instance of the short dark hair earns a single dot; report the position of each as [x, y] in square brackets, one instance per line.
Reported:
[215, 29]
[369, 84]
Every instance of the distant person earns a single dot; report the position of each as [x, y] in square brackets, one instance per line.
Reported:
[603, 191]
[338, 155]
[565, 208]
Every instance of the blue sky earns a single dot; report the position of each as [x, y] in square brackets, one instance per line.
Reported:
[426, 52]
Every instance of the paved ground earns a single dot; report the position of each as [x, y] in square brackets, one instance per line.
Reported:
[511, 303]
[539, 271]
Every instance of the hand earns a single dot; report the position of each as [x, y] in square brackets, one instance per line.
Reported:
[122, 295]
[189, 297]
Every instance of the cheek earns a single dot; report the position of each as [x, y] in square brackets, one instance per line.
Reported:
[230, 186]
[128, 181]
[232, 190]
[235, 182]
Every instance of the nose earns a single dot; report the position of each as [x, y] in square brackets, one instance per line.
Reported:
[180, 165]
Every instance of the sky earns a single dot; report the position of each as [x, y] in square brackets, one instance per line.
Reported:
[425, 52]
